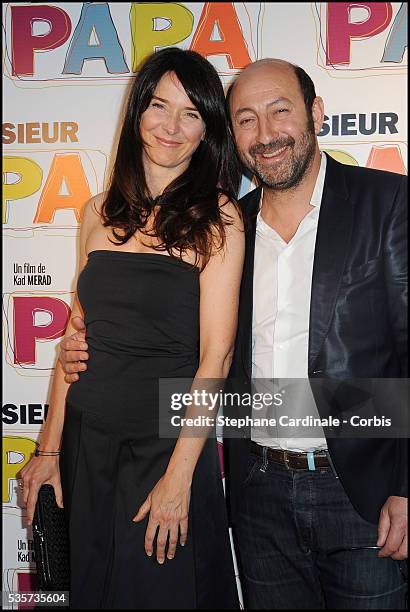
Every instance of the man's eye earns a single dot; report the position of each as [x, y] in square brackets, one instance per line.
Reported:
[283, 110]
[245, 121]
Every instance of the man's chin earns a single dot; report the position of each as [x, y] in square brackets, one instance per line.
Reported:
[273, 181]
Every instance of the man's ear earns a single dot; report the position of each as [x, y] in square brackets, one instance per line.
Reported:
[318, 113]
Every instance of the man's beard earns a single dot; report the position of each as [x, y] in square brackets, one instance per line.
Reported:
[288, 173]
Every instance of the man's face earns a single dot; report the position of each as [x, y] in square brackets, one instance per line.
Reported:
[275, 137]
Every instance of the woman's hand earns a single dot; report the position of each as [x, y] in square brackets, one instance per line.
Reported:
[39, 471]
[168, 505]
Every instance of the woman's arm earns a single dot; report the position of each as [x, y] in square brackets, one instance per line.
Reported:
[168, 503]
[219, 300]
[45, 469]
[50, 438]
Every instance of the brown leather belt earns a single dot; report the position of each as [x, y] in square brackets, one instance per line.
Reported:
[291, 460]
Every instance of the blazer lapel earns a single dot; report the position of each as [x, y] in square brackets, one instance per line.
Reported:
[332, 246]
[250, 208]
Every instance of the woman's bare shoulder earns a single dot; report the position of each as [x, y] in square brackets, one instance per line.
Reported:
[92, 212]
[231, 210]
[93, 207]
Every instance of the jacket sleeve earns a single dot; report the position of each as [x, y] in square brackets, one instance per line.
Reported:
[395, 258]
[395, 266]
[400, 482]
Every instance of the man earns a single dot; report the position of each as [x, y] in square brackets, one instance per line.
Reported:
[322, 297]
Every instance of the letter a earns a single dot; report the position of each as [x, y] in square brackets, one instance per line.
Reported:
[232, 43]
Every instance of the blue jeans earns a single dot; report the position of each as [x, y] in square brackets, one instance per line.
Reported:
[300, 544]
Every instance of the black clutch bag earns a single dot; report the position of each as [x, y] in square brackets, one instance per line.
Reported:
[50, 539]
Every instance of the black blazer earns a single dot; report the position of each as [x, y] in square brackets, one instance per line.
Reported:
[358, 321]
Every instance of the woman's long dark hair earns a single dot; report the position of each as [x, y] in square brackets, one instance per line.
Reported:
[188, 217]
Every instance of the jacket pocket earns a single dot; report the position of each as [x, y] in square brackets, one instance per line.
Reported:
[360, 272]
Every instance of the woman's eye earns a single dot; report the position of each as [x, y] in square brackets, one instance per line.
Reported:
[193, 115]
[157, 105]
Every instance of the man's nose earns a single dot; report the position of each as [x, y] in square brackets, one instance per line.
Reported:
[266, 131]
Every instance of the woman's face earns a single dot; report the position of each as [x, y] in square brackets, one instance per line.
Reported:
[171, 128]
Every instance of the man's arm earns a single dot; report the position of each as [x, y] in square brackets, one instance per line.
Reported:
[396, 270]
[392, 530]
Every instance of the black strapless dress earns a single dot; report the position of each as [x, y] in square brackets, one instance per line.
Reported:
[142, 317]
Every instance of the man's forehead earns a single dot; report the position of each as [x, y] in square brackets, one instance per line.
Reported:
[268, 79]
[266, 74]
[269, 62]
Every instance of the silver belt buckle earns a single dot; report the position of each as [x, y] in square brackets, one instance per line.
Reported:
[286, 459]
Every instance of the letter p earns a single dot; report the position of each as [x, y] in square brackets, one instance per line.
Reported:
[29, 180]
[17, 452]
[341, 30]
[24, 42]
[27, 329]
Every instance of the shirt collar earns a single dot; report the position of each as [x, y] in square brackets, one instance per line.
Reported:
[317, 194]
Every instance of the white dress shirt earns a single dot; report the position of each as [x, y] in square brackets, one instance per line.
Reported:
[280, 331]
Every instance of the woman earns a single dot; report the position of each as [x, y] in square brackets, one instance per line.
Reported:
[161, 261]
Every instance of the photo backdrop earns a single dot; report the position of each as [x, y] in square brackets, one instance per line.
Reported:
[66, 67]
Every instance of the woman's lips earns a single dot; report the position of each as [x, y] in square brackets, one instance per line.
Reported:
[168, 143]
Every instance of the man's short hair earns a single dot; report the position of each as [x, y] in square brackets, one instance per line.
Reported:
[306, 86]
